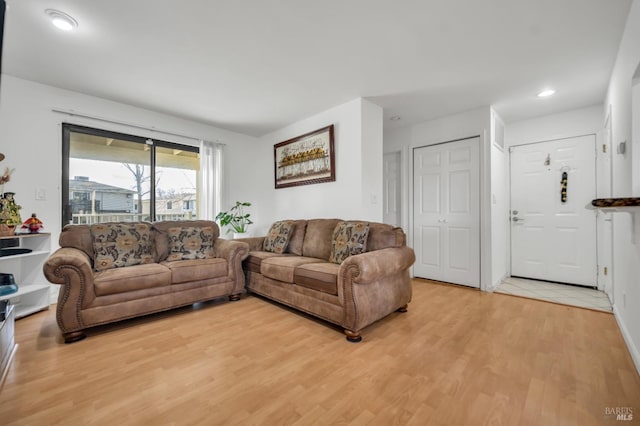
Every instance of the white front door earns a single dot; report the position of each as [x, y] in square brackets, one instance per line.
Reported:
[391, 179]
[553, 236]
[446, 212]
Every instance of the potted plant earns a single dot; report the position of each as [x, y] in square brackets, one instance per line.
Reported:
[237, 220]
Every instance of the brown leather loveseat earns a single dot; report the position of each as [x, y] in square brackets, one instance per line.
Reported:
[114, 271]
[350, 273]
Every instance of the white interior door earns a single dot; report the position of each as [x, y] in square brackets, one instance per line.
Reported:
[391, 179]
[446, 212]
[552, 239]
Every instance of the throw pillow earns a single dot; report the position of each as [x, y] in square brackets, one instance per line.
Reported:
[116, 245]
[188, 243]
[349, 238]
[278, 236]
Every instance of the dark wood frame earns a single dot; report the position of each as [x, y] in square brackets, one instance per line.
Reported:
[278, 149]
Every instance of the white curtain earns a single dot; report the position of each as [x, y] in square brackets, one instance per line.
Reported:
[210, 179]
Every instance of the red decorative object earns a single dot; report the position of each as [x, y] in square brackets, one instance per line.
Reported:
[33, 224]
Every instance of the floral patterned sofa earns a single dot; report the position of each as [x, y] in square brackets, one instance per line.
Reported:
[350, 273]
[114, 271]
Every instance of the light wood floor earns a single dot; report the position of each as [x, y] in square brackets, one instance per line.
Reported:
[458, 357]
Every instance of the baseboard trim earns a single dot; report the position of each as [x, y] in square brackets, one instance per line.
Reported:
[494, 286]
[633, 350]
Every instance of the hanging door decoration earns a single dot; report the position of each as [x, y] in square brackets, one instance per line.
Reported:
[563, 187]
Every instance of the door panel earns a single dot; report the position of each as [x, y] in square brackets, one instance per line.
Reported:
[447, 212]
[430, 241]
[552, 239]
[459, 190]
[430, 189]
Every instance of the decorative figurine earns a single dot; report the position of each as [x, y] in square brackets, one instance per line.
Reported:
[9, 214]
[33, 224]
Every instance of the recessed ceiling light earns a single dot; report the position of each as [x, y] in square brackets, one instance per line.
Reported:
[546, 92]
[394, 118]
[61, 20]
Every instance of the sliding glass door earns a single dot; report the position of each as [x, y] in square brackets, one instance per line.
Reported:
[115, 177]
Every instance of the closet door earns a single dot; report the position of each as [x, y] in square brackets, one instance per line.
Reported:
[446, 212]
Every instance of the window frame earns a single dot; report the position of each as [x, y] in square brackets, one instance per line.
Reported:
[153, 143]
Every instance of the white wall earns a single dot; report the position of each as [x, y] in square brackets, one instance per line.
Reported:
[578, 122]
[467, 124]
[357, 190]
[31, 139]
[372, 160]
[626, 266]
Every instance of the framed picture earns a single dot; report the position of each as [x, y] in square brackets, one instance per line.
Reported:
[306, 159]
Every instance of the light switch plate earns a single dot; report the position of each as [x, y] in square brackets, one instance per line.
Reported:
[41, 194]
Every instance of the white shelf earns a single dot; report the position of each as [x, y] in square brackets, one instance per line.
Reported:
[31, 253]
[25, 289]
[33, 289]
[24, 310]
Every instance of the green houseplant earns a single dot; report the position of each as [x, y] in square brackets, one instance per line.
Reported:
[235, 218]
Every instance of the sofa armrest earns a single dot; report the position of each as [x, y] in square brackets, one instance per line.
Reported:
[234, 252]
[372, 285]
[68, 265]
[374, 265]
[72, 269]
[255, 243]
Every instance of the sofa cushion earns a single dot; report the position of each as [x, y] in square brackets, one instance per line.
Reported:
[183, 271]
[349, 238]
[190, 242]
[318, 276]
[131, 278]
[297, 238]
[253, 262]
[278, 236]
[317, 238]
[116, 245]
[281, 268]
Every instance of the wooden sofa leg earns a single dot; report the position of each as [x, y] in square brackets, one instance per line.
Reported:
[402, 309]
[73, 336]
[234, 297]
[353, 336]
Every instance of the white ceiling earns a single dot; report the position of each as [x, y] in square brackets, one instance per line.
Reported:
[256, 66]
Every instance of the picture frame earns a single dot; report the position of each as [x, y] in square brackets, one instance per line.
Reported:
[305, 160]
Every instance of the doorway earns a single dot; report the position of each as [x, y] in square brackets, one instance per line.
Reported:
[446, 212]
[391, 178]
[553, 235]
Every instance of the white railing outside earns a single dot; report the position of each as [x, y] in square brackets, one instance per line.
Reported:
[90, 219]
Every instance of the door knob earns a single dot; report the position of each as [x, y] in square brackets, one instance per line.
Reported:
[516, 219]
